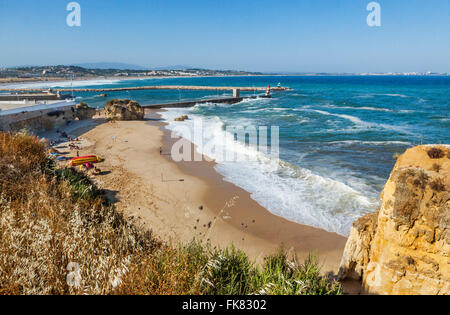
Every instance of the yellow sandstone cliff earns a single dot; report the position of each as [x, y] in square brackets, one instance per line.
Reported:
[404, 247]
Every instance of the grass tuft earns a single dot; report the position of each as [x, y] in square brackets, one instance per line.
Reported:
[82, 186]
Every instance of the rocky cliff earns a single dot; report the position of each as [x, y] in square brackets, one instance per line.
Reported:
[404, 247]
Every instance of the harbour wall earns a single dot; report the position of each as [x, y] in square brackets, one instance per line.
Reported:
[229, 100]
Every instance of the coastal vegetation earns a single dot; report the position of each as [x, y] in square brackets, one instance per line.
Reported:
[60, 235]
[112, 70]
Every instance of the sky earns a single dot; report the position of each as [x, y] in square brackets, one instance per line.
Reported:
[252, 35]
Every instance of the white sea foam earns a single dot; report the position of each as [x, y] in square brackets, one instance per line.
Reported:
[353, 119]
[254, 110]
[364, 96]
[287, 190]
[304, 120]
[380, 143]
[370, 95]
[216, 95]
[363, 124]
[260, 100]
[394, 95]
[380, 109]
[368, 108]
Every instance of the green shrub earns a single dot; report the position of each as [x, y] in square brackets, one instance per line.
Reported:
[82, 186]
[228, 272]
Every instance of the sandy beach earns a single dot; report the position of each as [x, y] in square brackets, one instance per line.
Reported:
[187, 200]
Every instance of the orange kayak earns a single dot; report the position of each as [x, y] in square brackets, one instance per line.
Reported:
[80, 160]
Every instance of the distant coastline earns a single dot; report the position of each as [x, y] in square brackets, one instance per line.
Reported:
[128, 78]
[13, 80]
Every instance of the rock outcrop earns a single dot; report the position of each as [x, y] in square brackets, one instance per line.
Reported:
[181, 118]
[404, 247]
[83, 111]
[124, 110]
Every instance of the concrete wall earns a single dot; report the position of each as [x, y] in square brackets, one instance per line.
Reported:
[29, 97]
[38, 119]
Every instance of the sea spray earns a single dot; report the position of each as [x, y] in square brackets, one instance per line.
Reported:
[284, 189]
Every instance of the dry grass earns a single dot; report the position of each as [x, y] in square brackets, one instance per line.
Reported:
[43, 229]
[59, 236]
[420, 178]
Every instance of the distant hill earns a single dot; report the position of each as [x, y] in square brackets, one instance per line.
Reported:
[177, 67]
[110, 65]
[106, 69]
[126, 66]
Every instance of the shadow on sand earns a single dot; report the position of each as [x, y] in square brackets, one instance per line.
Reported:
[111, 195]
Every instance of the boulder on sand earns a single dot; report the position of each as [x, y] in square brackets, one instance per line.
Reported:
[83, 111]
[124, 110]
[182, 118]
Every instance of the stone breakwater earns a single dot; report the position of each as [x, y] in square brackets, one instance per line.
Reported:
[159, 87]
[404, 247]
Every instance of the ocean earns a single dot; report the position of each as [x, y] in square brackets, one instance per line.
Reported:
[337, 136]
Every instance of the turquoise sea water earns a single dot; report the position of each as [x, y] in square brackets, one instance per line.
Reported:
[337, 138]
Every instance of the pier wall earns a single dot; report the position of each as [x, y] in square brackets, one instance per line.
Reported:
[160, 87]
[229, 100]
[30, 97]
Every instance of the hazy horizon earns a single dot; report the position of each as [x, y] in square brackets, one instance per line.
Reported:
[132, 67]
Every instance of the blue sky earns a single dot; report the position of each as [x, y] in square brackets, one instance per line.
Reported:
[255, 35]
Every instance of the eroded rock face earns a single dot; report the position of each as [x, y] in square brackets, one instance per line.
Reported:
[404, 248]
[124, 110]
[83, 111]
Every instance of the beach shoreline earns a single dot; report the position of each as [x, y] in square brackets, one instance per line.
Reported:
[183, 201]
[292, 236]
